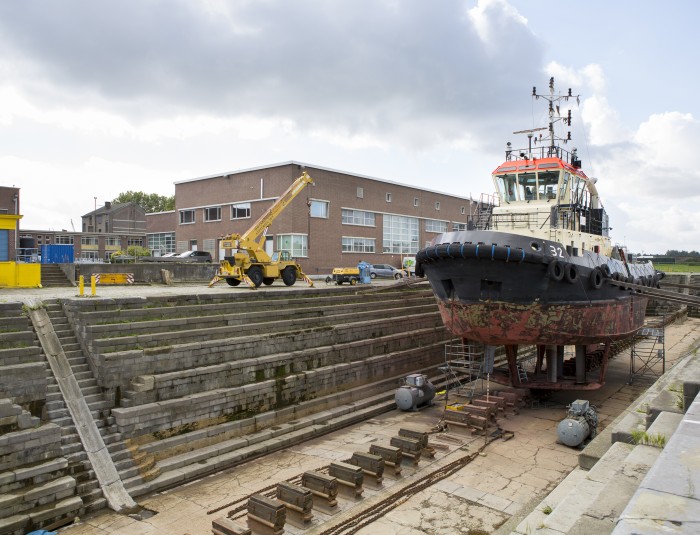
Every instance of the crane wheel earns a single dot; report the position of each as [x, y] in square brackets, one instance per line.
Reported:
[232, 282]
[255, 274]
[268, 280]
[289, 276]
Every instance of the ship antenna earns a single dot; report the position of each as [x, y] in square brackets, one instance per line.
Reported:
[555, 99]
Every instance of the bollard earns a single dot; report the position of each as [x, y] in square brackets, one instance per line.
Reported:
[392, 456]
[268, 512]
[81, 285]
[93, 285]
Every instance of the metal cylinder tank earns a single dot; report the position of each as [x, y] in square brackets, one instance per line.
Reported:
[573, 431]
[416, 391]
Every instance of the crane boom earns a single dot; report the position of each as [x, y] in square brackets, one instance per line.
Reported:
[266, 219]
[250, 262]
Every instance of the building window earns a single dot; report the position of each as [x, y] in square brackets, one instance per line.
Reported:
[357, 217]
[358, 245]
[400, 234]
[65, 240]
[388, 197]
[163, 242]
[462, 210]
[89, 255]
[240, 210]
[296, 244]
[415, 202]
[213, 213]
[134, 241]
[186, 217]
[437, 205]
[360, 192]
[459, 226]
[432, 225]
[319, 209]
[112, 241]
[88, 240]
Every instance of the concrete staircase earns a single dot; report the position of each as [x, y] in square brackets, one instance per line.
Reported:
[202, 382]
[129, 462]
[37, 487]
[52, 276]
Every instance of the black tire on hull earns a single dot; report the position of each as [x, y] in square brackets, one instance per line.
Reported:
[571, 273]
[596, 278]
[555, 270]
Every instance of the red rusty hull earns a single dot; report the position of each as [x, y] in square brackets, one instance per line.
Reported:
[502, 323]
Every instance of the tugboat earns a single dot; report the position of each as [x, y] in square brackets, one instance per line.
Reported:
[537, 266]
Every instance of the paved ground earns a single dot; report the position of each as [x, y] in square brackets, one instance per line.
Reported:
[508, 479]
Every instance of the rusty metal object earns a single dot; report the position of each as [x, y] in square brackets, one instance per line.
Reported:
[372, 465]
[500, 323]
[296, 498]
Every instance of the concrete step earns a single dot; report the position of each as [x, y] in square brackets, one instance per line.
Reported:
[592, 500]
[186, 467]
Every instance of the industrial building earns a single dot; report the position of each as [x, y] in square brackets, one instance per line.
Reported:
[340, 220]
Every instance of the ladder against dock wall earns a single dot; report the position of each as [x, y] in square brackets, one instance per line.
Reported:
[648, 353]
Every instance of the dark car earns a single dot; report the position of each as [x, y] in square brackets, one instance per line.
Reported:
[193, 256]
[385, 270]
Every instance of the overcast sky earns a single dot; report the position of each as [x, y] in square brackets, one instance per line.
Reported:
[100, 97]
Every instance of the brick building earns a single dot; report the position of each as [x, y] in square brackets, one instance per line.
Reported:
[338, 221]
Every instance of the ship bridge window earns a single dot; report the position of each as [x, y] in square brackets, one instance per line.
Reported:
[564, 187]
[507, 186]
[527, 183]
[547, 182]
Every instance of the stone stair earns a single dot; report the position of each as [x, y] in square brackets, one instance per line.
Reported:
[127, 462]
[205, 381]
[52, 276]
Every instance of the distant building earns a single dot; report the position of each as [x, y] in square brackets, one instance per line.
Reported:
[120, 218]
[338, 221]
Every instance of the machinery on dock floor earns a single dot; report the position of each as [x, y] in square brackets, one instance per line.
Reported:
[581, 423]
[417, 391]
[250, 263]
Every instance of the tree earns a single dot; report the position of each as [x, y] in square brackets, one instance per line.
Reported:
[151, 202]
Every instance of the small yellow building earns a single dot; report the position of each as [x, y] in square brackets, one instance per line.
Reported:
[15, 274]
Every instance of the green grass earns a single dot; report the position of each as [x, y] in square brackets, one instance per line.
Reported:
[678, 268]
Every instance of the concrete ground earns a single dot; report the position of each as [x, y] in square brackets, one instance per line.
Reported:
[507, 479]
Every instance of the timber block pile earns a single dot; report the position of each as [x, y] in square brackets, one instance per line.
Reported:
[199, 381]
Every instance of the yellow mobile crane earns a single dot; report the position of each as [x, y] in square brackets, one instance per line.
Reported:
[250, 263]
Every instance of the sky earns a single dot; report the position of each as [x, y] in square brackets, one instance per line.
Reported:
[98, 97]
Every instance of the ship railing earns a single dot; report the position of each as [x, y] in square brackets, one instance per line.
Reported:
[548, 151]
[519, 220]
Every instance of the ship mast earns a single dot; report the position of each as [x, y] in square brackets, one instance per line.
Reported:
[554, 100]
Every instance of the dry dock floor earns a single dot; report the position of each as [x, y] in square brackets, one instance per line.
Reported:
[507, 479]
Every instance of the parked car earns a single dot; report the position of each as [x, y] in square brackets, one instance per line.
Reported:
[385, 270]
[193, 256]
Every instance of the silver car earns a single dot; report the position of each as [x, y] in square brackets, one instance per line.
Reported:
[385, 270]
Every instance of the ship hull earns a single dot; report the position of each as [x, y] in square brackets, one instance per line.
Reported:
[505, 289]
